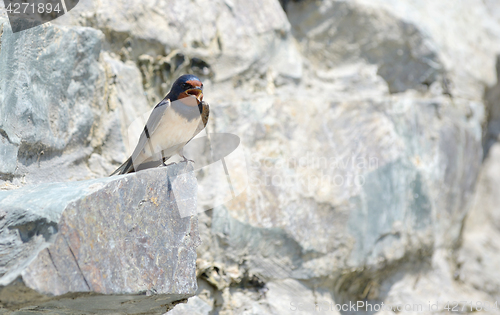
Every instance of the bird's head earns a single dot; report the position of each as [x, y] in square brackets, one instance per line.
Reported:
[188, 89]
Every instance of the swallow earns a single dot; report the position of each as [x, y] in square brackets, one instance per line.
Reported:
[175, 120]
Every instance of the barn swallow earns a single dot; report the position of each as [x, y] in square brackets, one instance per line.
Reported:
[175, 120]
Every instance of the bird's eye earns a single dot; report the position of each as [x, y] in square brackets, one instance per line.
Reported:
[186, 86]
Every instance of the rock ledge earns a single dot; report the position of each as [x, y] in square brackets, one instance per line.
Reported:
[101, 246]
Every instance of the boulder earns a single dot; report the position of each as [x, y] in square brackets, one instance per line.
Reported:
[100, 246]
[63, 116]
[48, 101]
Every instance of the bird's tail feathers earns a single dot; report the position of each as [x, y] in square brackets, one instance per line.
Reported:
[126, 167]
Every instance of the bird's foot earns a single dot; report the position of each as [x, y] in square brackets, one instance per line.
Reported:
[186, 159]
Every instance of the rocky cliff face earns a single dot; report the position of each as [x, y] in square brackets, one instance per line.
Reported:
[363, 124]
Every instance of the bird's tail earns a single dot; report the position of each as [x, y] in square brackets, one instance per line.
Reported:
[125, 168]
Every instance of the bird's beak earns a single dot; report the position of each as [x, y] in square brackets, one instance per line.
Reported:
[196, 92]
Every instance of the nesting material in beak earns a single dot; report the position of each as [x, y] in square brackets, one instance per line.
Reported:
[196, 93]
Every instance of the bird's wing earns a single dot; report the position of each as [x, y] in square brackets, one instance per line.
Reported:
[151, 125]
[205, 112]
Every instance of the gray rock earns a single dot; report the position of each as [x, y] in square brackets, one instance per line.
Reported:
[48, 98]
[194, 306]
[70, 119]
[126, 101]
[478, 258]
[337, 32]
[492, 128]
[234, 38]
[362, 121]
[121, 239]
[466, 47]
[355, 193]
